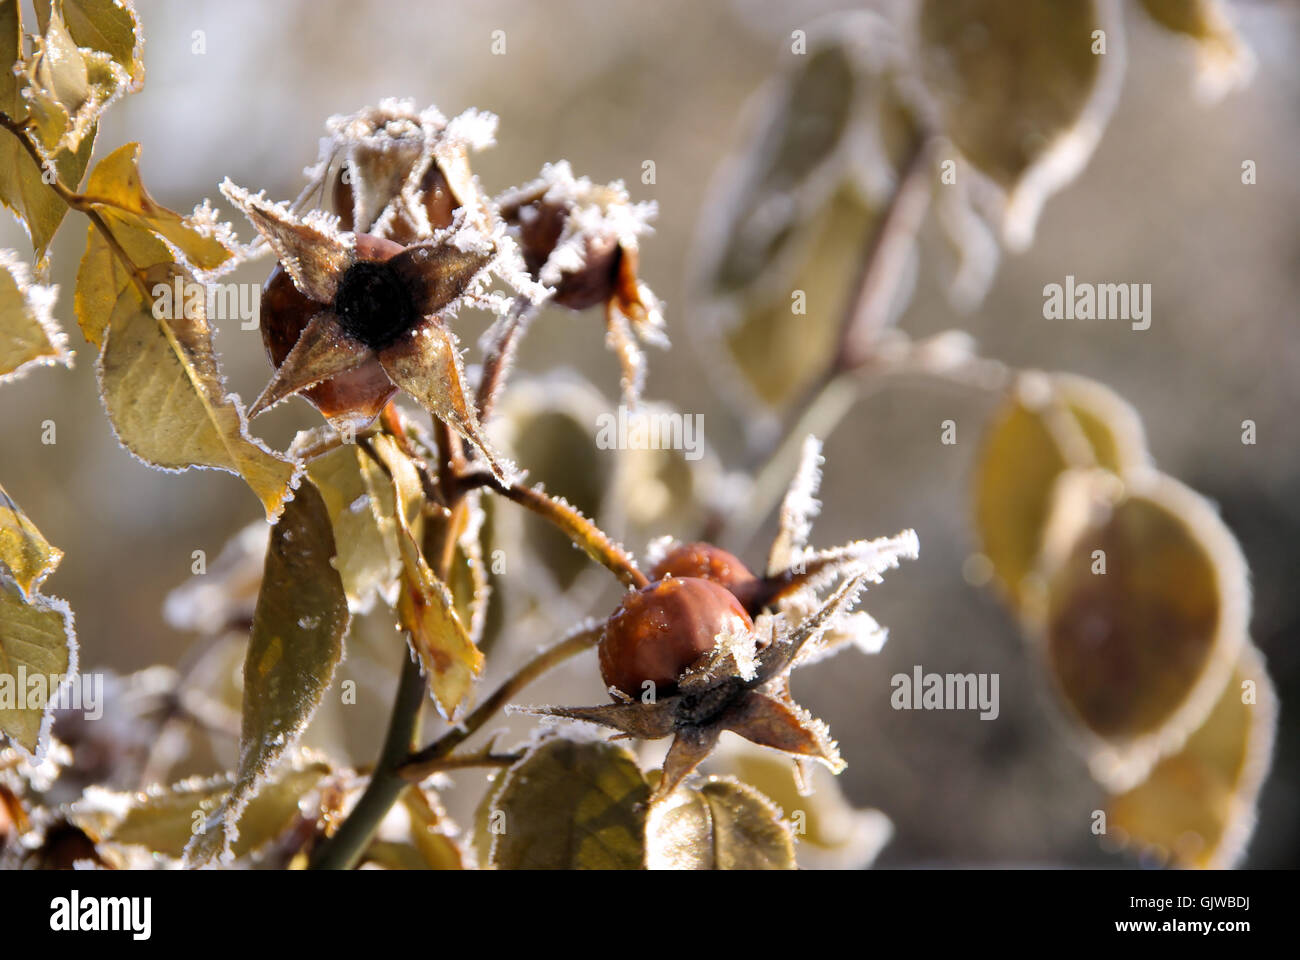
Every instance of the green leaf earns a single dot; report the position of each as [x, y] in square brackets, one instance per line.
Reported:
[722, 825]
[29, 334]
[115, 186]
[567, 805]
[163, 819]
[36, 641]
[165, 396]
[295, 646]
[24, 553]
[1020, 91]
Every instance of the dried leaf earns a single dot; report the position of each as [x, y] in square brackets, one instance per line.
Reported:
[431, 832]
[722, 825]
[295, 646]
[163, 819]
[164, 394]
[24, 553]
[1021, 92]
[1197, 808]
[36, 642]
[29, 334]
[426, 364]
[114, 186]
[425, 607]
[567, 805]
[1140, 637]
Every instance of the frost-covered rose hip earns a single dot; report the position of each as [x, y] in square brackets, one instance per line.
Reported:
[358, 394]
[659, 631]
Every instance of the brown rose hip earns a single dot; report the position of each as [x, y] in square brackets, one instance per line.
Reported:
[708, 562]
[662, 629]
[360, 393]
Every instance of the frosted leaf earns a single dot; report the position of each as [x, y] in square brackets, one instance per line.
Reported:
[29, 335]
[799, 506]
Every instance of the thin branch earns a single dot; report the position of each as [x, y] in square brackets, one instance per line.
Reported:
[582, 531]
[431, 758]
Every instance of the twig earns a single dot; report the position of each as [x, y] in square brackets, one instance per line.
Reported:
[420, 765]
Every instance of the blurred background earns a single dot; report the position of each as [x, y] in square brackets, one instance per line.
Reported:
[608, 86]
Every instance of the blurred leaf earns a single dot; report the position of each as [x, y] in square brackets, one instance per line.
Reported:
[828, 831]
[29, 334]
[1050, 424]
[36, 641]
[1197, 808]
[429, 832]
[779, 353]
[295, 646]
[1020, 91]
[1140, 638]
[468, 580]
[102, 278]
[162, 819]
[1223, 60]
[115, 187]
[722, 825]
[566, 805]
[24, 553]
[164, 394]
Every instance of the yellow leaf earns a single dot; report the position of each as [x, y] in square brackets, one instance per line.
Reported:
[1051, 423]
[115, 186]
[22, 189]
[29, 335]
[1197, 808]
[37, 643]
[164, 394]
[68, 87]
[111, 27]
[24, 552]
[361, 511]
[1146, 609]
[102, 278]
[1223, 61]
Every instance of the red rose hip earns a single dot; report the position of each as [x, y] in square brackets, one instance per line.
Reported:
[659, 631]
